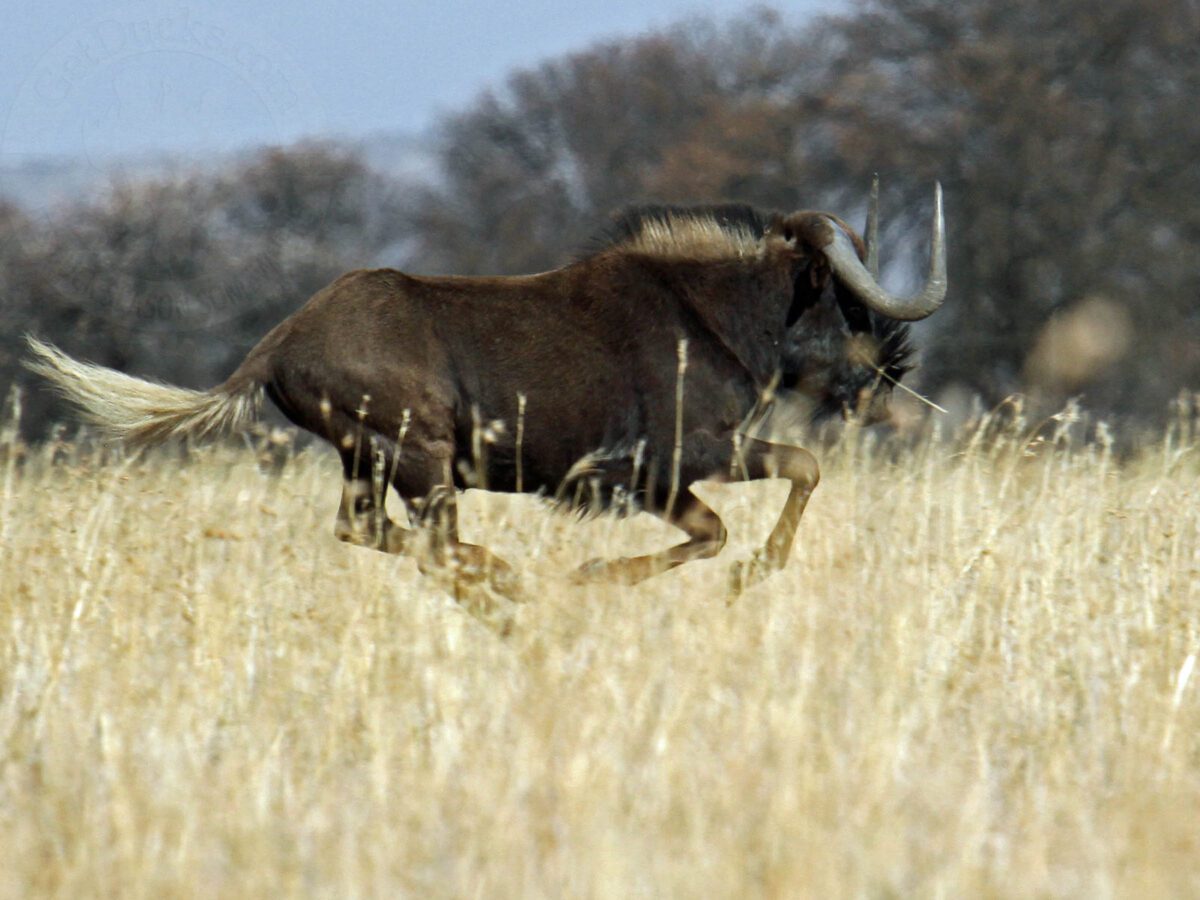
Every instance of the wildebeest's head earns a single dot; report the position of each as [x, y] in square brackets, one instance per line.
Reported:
[844, 359]
[847, 342]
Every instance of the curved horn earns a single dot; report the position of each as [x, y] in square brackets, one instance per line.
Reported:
[844, 261]
[871, 232]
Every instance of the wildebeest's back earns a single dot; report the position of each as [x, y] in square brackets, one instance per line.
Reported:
[591, 347]
[360, 337]
[547, 338]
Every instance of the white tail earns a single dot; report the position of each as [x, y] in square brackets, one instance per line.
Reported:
[141, 413]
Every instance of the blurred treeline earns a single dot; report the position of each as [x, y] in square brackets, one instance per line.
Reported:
[1064, 134]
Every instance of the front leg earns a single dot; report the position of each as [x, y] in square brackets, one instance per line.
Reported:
[706, 537]
[762, 459]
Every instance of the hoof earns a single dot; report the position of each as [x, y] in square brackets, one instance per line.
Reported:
[493, 576]
[612, 571]
[591, 571]
[391, 541]
[746, 573]
[491, 609]
[489, 597]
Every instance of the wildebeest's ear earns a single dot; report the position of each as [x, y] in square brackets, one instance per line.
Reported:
[781, 227]
[808, 232]
[810, 274]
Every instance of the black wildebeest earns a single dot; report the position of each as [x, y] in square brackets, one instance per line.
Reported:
[567, 379]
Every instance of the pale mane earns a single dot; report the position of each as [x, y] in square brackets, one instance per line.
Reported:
[699, 237]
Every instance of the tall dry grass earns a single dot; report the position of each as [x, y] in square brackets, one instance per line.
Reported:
[975, 678]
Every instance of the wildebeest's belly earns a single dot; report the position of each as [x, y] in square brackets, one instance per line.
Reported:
[541, 439]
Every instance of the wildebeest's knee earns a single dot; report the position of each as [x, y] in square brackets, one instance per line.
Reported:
[703, 527]
[797, 465]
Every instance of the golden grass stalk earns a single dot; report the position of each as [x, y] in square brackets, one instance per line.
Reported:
[974, 678]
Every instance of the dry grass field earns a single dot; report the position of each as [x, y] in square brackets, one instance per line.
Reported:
[975, 678]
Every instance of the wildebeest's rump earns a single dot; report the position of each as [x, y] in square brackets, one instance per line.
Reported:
[632, 372]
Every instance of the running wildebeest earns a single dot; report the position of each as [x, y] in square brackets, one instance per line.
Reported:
[628, 374]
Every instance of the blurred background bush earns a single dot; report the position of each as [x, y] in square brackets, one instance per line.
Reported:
[1064, 135]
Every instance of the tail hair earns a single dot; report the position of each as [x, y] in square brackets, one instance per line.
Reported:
[141, 413]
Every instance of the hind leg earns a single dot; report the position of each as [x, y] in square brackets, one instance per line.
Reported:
[362, 518]
[470, 564]
[419, 469]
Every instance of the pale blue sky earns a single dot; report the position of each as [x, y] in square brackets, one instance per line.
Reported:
[94, 79]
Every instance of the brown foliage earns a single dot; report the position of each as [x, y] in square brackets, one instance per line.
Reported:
[177, 277]
[1063, 133]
